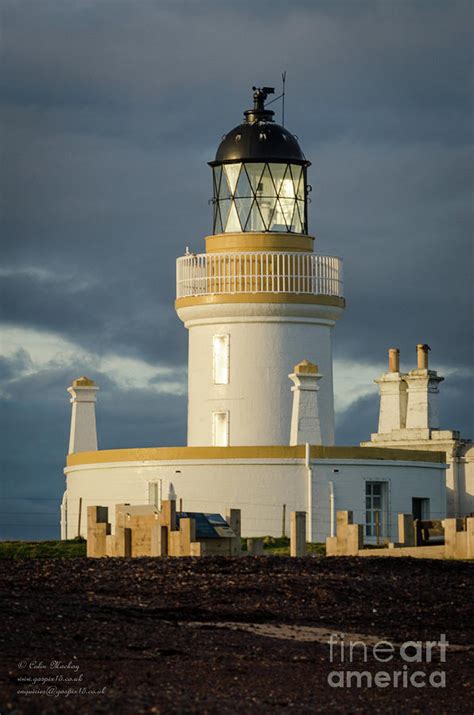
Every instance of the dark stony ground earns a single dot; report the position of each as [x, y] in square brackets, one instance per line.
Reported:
[142, 635]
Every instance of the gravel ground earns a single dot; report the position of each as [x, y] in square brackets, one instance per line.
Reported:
[219, 635]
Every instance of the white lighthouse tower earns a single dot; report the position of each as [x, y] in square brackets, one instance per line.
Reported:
[260, 307]
[258, 301]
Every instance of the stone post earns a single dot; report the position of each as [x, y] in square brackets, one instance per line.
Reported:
[123, 535]
[168, 513]
[233, 518]
[97, 530]
[255, 546]
[406, 535]
[187, 534]
[298, 533]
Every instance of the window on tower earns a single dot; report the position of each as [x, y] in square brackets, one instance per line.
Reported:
[220, 359]
[256, 196]
[220, 429]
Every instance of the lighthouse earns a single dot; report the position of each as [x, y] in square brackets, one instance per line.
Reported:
[259, 299]
[260, 305]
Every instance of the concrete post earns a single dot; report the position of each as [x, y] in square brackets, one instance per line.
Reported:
[305, 420]
[168, 514]
[354, 539]
[406, 535]
[233, 518]
[159, 545]
[452, 527]
[470, 537]
[343, 520]
[97, 530]
[83, 433]
[349, 539]
[298, 533]
[187, 534]
[123, 544]
[255, 546]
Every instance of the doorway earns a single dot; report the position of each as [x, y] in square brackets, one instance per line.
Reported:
[420, 508]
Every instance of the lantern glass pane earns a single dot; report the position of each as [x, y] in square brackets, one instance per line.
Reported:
[232, 174]
[233, 223]
[260, 197]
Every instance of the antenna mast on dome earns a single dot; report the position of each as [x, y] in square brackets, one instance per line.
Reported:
[283, 82]
[280, 96]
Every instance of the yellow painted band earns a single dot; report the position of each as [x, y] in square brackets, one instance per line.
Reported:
[386, 453]
[250, 452]
[217, 298]
[235, 242]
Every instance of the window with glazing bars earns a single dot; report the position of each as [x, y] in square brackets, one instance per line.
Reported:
[375, 509]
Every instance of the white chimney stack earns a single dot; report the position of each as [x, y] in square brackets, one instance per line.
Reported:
[83, 434]
[305, 423]
[422, 412]
[393, 395]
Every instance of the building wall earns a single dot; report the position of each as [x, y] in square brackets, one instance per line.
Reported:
[459, 459]
[465, 479]
[405, 480]
[259, 487]
[266, 341]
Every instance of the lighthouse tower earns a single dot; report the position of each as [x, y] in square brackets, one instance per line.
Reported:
[260, 307]
[259, 300]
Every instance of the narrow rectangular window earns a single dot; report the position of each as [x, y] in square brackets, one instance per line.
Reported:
[220, 359]
[220, 429]
[154, 494]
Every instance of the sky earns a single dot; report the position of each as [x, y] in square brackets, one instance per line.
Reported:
[110, 111]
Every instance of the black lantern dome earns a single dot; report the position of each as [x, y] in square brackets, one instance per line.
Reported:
[260, 176]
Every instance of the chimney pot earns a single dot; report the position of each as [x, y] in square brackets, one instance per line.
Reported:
[394, 360]
[422, 356]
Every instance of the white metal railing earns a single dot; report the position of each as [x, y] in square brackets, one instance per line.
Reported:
[258, 272]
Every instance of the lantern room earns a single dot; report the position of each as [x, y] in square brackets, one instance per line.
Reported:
[259, 176]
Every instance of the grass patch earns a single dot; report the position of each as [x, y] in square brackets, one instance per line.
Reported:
[42, 549]
[280, 546]
[77, 547]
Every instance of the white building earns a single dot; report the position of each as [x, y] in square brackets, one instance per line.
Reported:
[260, 307]
[409, 418]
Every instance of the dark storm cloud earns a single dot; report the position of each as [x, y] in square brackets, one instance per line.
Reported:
[100, 316]
[110, 113]
[15, 365]
[35, 432]
[359, 421]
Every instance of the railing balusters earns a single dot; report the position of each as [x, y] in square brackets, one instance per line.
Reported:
[259, 271]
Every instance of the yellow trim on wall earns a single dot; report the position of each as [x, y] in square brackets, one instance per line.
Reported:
[165, 454]
[387, 454]
[229, 242]
[219, 298]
